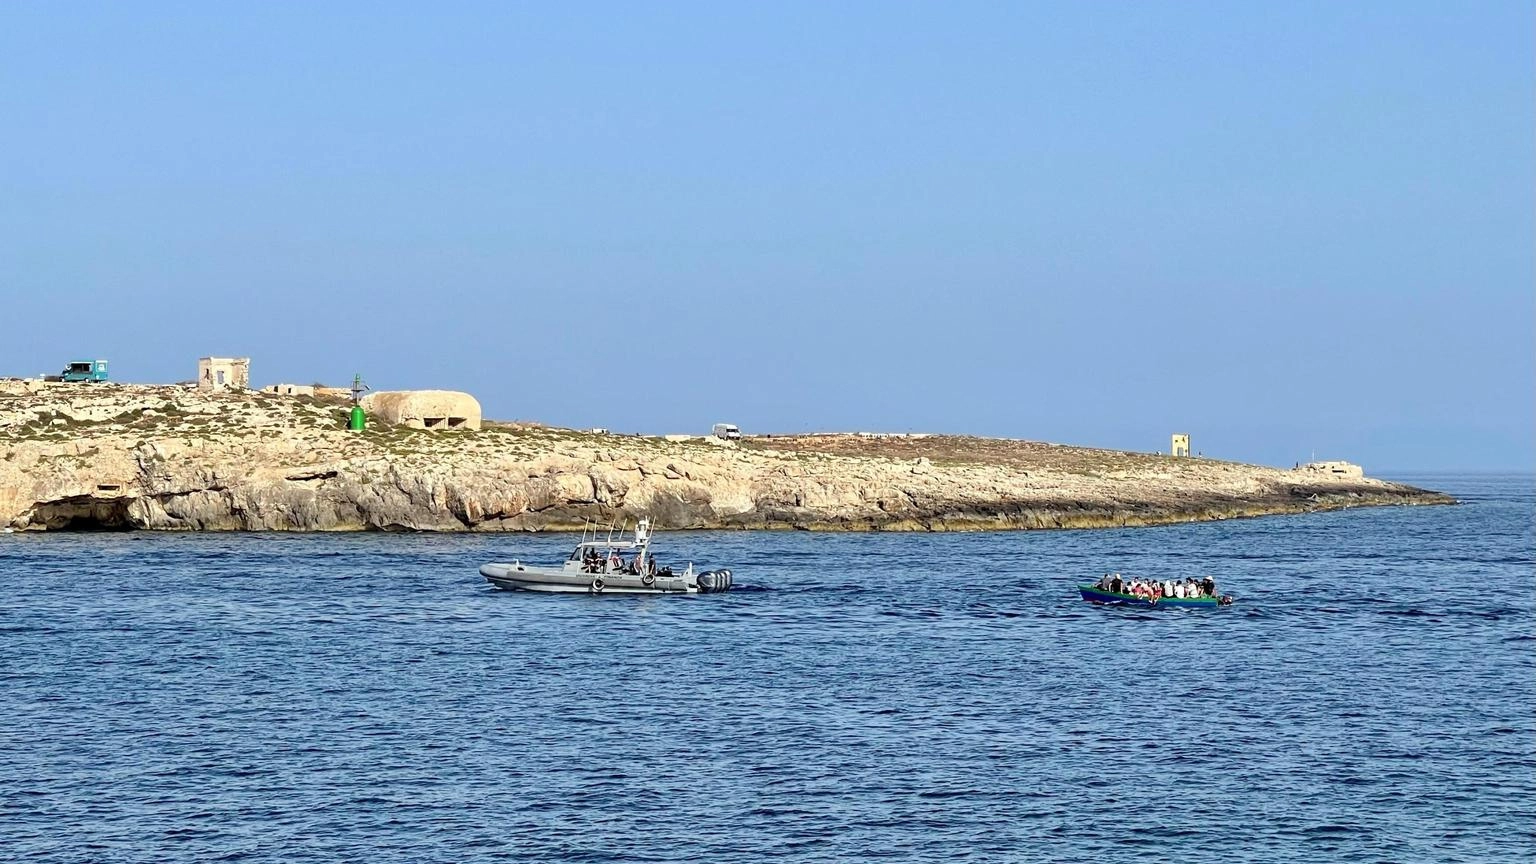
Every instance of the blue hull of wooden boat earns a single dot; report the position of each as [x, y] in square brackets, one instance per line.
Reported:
[1109, 598]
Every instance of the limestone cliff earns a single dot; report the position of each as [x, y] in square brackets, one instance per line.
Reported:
[123, 456]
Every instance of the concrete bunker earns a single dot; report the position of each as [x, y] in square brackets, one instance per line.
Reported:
[425, 409]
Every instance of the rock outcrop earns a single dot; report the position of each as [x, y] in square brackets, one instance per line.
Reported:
[123, 456]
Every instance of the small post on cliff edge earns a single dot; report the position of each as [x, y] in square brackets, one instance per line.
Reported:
[356, 420]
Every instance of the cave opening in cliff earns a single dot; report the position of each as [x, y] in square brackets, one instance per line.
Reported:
[83, 513]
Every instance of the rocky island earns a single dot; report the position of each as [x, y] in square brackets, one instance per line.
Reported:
[99, 456]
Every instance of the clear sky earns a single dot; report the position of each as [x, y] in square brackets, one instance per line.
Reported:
[1284, 228]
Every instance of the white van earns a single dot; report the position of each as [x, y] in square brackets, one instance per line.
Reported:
[728, 431]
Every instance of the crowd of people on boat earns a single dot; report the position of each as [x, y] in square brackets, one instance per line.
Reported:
[593, 561]
[1155, 590]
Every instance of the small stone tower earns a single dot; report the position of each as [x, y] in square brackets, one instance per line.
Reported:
[1180, 444]
[223, 373]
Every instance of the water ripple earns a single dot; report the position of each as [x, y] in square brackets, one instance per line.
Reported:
[915, 698]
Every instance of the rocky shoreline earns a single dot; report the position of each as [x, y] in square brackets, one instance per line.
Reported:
[75, 457]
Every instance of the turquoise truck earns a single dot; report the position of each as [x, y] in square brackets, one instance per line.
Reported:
[85, 370]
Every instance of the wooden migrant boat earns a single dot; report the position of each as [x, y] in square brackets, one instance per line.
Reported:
[1101, 597]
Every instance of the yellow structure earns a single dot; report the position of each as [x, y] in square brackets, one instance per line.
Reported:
[1180, 445]
[223, 373]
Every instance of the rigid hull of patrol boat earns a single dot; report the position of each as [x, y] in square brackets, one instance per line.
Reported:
[614, 565]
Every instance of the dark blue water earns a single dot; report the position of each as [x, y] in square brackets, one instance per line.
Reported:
[1371, 697]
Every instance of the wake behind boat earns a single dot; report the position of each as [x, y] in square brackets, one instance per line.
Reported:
[611, 565]
[1112, 590]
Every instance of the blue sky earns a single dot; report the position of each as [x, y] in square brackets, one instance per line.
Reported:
[1285, 228]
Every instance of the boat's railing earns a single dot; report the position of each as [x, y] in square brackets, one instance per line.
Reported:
[608, 544]
[641, 541]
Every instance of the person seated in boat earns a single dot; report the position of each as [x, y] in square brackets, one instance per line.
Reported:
[1209, 586]
[1116, 585]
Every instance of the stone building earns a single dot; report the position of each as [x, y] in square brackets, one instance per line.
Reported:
[290, 389]
[223, 373]
[425, 409]
[1180, 445]
[308, 390]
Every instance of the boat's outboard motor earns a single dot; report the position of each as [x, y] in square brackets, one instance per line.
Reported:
[714, 581]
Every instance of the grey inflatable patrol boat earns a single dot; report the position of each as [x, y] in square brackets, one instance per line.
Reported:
[611, 565]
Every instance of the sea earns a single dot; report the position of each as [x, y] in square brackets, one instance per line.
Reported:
[1370, 696]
